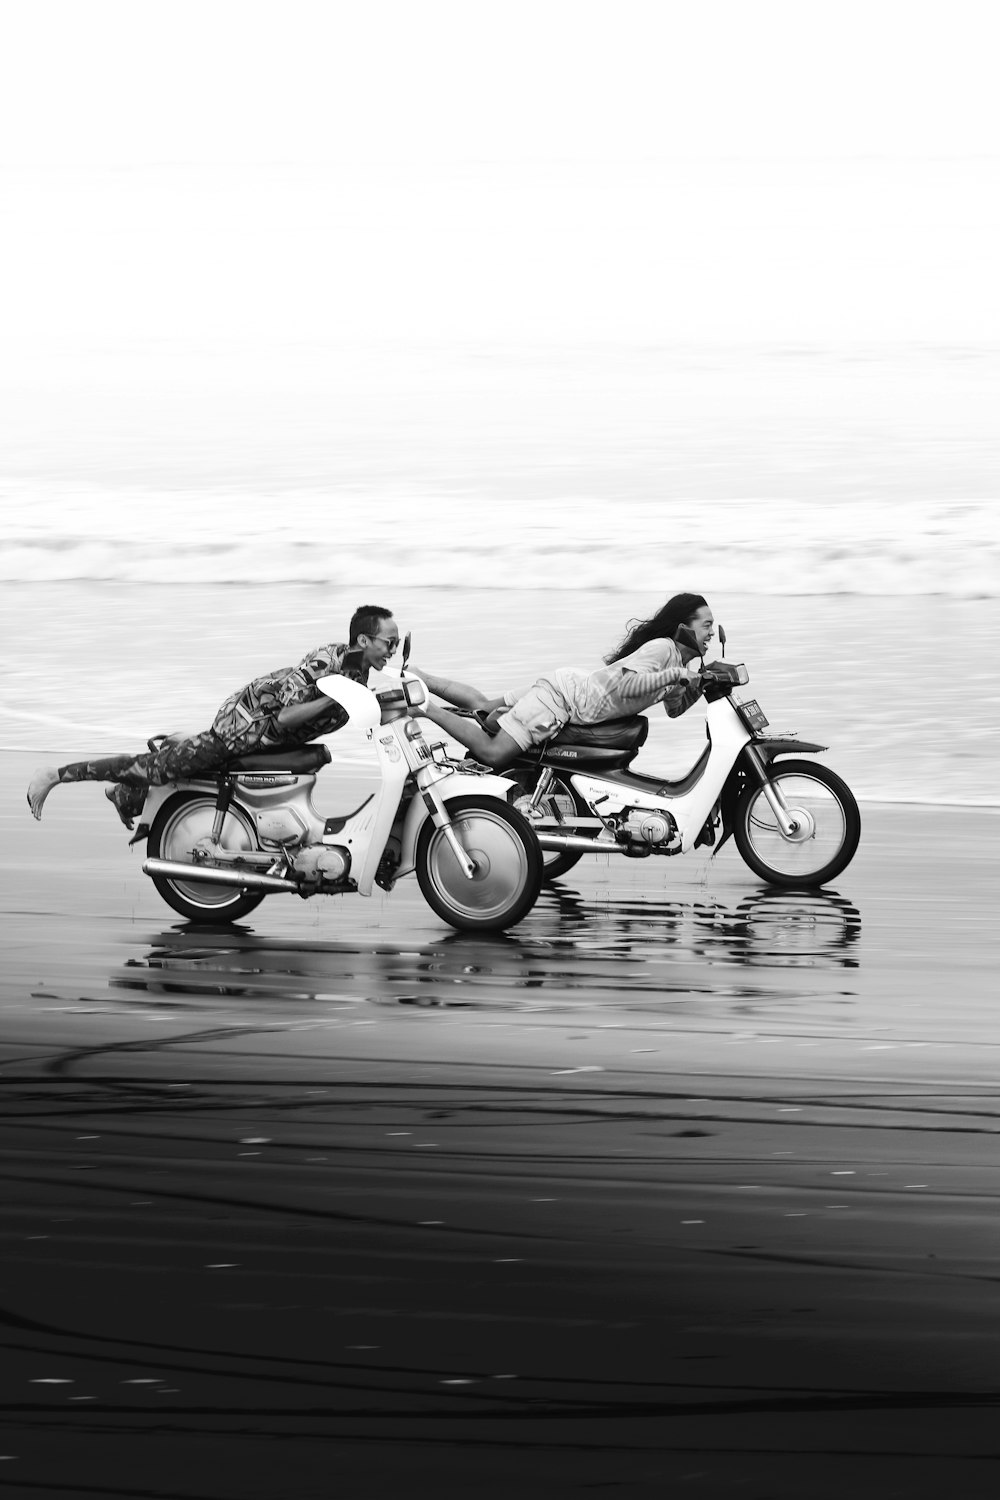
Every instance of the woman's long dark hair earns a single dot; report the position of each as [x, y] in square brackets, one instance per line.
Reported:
[661, 626]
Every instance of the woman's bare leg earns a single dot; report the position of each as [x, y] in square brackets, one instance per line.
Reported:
[459, 693]
[496, 750]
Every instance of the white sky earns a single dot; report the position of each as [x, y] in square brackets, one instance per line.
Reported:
[543, 170]
[110, 81]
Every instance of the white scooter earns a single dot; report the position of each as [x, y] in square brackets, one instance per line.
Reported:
[795, 823]
[218, 846]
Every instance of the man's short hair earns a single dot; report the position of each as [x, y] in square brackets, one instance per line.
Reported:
[366, 620]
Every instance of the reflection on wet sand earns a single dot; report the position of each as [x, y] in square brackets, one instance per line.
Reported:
[578, 953]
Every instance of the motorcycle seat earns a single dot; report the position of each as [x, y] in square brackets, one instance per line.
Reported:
[612, 734]
[599, 747]
[578, 757]
[299, 761]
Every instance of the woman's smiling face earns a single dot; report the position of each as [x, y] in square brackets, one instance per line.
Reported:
[702, 627]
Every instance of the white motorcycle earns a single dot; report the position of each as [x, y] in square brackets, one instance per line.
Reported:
[218, 846]
[794, 822]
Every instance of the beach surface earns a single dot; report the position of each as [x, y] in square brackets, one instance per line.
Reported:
[686, 1186]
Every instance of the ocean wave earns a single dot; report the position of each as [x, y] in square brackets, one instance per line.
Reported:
[957, 567]
[392, 537]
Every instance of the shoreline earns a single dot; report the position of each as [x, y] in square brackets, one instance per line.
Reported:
[943, 804]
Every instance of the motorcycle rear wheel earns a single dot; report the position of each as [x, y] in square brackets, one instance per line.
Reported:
[828, 845]
[178, 826]
[559, 801]
[508, 861]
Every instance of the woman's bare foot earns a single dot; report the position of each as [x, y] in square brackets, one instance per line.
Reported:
[41, 785]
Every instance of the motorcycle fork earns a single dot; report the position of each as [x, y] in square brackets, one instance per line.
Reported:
[772, 794]
[441, 818]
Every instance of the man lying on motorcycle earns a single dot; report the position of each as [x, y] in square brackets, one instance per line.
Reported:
[278, 711]
[649, 666]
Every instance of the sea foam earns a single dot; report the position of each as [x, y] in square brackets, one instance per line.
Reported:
[368, 537]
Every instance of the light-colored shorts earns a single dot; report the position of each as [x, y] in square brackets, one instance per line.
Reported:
[537, 715]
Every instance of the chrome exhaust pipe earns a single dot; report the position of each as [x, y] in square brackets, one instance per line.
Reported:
[247, 880]
[577, 843]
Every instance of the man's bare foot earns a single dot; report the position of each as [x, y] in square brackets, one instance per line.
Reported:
[41, 785]
[123, 799]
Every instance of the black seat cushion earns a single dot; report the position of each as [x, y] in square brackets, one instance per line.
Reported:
[297, 762]
[592, 747]
[612, 734]
[578, 757]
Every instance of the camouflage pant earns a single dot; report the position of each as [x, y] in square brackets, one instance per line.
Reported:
[186, 759]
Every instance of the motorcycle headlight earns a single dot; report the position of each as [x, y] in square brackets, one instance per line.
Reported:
[414, 692]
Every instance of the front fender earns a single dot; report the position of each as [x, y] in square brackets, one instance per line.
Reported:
[779, 744]
[458, 785]
[769, 748]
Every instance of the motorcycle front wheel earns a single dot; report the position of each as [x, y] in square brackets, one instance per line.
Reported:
[827, 836]
[178, 826]
[507, 860]
[561, 803]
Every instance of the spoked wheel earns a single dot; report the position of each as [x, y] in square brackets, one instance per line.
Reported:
[178, 826]
[559, 803]
[507, 859]
[827, 832]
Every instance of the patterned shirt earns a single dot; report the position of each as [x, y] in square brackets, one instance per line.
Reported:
[248, 720]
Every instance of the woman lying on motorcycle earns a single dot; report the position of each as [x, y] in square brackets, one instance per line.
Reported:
[649, 666]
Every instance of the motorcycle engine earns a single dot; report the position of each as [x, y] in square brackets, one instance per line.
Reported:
[281, 827]
[646, 827]
[322, 862]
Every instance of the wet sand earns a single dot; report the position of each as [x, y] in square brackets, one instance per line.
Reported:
[687, 1186]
